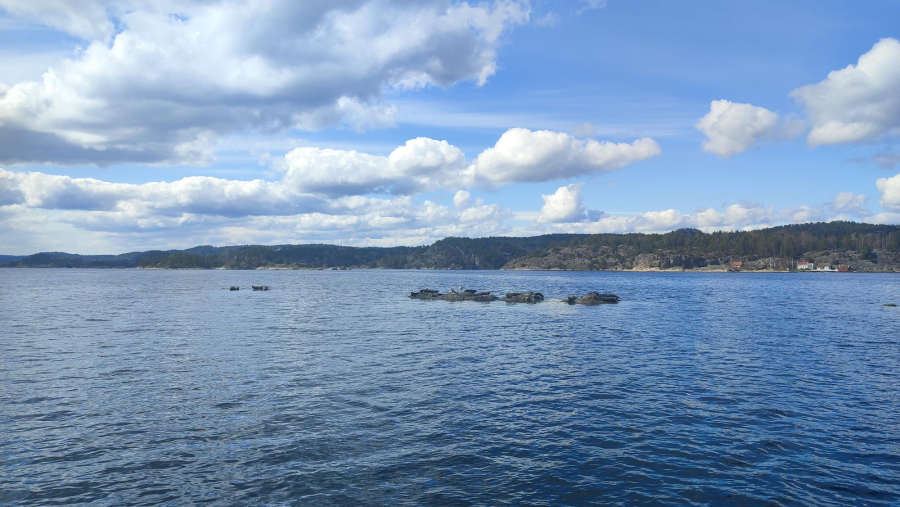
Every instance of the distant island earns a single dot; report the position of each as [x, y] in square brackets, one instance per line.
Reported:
[834, 246]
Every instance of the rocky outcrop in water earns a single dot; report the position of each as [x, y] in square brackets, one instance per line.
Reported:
[523, 297]
[473, 295]
[592, 298]
[465, 295]
[425, 294]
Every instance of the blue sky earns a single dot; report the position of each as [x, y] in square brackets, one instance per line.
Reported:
[127, 105]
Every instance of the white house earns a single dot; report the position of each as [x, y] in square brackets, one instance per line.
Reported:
[804, 265]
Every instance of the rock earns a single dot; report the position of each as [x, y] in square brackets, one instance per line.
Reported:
[892, 305]
[425, 294]
[469, 295]
[592, 298]
[260, 287]
[523, 297]
[234, 287]
[466, 295]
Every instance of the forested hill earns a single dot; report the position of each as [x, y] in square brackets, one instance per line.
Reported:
[868, 245]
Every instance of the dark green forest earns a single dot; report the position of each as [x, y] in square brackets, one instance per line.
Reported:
[791, 241]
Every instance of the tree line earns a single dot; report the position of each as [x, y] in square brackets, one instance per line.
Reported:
[494, 252]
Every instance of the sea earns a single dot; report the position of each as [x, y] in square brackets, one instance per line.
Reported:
[149, 387]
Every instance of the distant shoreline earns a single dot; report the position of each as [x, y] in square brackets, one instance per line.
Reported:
[834, 245]
[342, 268]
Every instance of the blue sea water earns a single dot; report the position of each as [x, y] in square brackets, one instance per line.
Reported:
[130, 387]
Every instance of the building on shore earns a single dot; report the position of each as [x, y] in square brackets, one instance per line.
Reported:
[804, 265]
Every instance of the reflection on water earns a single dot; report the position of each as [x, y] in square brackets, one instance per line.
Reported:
[141, 387]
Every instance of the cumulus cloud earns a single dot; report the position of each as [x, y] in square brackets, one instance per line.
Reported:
[424, 164]
[462, 199]
[564, 205]
[194, 195]
[890, 192]
[421, 164]
[313, 179]
[732, 128]
[857, 103]
[161, 81]
[522, 155]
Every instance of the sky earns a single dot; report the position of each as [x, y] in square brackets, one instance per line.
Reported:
[132, 125]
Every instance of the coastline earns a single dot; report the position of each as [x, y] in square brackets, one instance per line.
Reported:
[706, 269]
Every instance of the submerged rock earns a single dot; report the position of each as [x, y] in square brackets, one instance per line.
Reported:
[523, 297]
[892, 305]
[234, 287]
[592, 298]
[260, 287]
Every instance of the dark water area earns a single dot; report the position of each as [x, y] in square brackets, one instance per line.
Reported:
[129, 387]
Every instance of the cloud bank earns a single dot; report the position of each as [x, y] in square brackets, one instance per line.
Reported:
[159, 82]
[564, 211]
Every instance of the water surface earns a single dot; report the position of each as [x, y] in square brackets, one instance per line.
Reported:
[130, 387]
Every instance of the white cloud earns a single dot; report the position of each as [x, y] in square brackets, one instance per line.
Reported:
[462, 199]
[564, 205]
[424, 164]
[857, 103]
[178, 75]
[421, 164]
[522, 155]
[732, 128]
[890, 192]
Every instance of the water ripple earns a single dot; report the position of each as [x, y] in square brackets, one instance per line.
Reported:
[149, 387]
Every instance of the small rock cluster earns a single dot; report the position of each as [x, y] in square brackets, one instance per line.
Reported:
[591, 298]
[523, 297]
